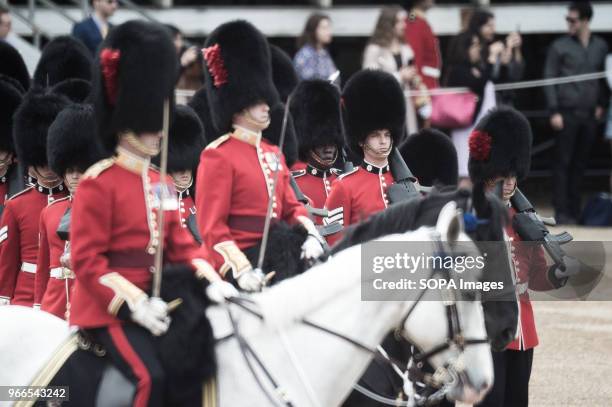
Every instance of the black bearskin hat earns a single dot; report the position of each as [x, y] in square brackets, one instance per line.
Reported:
[72, 142]
[238, 71]
[13, 65]
[372, 100]
[31, 124]
[77, 90]
[134, 74]
[500, 145]
[10, 99]
[315, 107]
[199, 103]
[284, 74]
[432, 157]
[62, 58]
[274, 130]
[186, 140]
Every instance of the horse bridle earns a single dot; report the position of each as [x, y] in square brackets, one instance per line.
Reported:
[455, 340]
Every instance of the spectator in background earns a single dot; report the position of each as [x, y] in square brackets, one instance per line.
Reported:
[386, 51]
[5, 22]
[94, 28]
[423, 42]
[312, 60]
[609, 120]
[467, 69]
[191, 64]
[509, 65]
[575, 107]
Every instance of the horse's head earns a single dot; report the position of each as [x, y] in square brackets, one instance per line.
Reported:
[448, 330]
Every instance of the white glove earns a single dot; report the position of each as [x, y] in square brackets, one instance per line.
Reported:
[36, 307]
[312, 248]
[251, 280]
[5, 301]
[152, 313]
[220, 290]
[572, 267]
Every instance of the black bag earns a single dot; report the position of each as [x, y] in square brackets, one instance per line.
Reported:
[598, 211]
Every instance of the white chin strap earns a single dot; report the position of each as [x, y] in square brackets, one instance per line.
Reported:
[138, 145]
[260, 125]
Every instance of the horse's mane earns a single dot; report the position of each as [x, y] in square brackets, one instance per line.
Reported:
[412, 214]
[295, 297]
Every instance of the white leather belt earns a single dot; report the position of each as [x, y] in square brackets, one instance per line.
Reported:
[521, 288]
[61, 273]
[28, 267]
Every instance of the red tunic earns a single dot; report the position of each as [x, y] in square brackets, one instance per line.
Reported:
[3, 190]
[314, 183]
[114, 234]
[356, 195]
[232, 192]
[19, 242]
[187, 214]
[50, 288]
[531, 272]
[426, 49]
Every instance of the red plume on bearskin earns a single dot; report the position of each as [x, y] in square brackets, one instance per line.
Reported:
[480, 145]
[216, 67]
[109, 59]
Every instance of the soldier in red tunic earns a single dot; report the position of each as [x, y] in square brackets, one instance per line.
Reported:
[500, 151]
[424, 43]
[20, 219]
[11, 181]
[374, 112]
[236, 174]
[114, 230]
[315, 107]
[71, 150]
[186, 142]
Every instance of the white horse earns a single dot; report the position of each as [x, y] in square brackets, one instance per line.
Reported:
[312, 367]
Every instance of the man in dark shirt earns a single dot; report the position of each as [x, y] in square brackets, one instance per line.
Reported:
[574, 107]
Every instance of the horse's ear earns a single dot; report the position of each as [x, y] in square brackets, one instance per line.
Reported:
[450, 224]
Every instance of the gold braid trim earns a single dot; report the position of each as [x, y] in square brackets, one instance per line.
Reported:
[233, 258]
[50, 369]
[124, 290]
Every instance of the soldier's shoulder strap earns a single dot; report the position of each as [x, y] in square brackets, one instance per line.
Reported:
[21, 193]
[216, 143]
[98, 168]
[346, 174]
[298, 173]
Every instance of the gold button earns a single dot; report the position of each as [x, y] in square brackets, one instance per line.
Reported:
[274, 214]
[151, 250]
[155, 242]
[274, 205]
[182, 210]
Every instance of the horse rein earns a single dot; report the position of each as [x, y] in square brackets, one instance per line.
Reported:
[455, 340]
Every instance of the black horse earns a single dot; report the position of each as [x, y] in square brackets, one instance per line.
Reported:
[500, 309]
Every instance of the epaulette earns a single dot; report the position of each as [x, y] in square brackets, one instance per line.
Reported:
[354, 170]
[220, 140]
[59, 200]
[20, 193]
[98, 168]
[298, 173]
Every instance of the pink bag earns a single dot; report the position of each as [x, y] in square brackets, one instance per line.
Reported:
[453, 110]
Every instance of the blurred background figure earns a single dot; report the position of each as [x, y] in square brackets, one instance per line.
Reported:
[94, 28]
[609, 119]
[423, 42]
[191, 65]
[313, 61]
[5, 23]
[466, 68]
[509, 64]
[575, 108]
[387, 51]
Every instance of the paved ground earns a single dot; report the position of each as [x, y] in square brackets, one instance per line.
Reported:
[573, 363]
